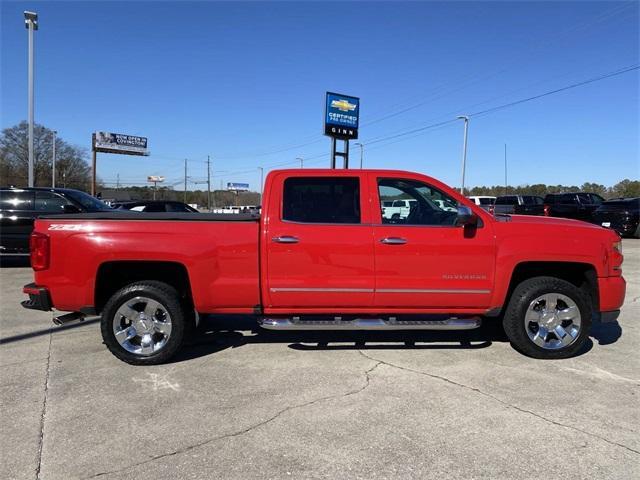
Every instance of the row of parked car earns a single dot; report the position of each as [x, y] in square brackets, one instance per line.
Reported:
[19, 207]
[620, 214]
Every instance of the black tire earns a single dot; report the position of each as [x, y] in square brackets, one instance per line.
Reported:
[169, 298]
[528, 291]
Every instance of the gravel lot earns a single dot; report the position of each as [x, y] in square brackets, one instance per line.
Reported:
[245, 403]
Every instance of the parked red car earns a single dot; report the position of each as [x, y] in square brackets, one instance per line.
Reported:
[322, 256]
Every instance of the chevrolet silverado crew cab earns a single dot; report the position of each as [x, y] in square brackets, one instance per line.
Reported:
[323, 256]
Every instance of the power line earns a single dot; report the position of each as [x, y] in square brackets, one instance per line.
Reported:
[562, 89]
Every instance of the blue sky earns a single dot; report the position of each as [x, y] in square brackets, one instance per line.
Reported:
[245, 83]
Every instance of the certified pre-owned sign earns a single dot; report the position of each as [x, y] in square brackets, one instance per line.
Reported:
[120, 143]
[342, 114]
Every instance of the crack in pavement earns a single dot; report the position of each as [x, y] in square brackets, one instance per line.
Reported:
[44, 410]
[251, 427]
[506, 404]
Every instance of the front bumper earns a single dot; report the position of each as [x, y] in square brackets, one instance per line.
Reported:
[609, 317]
[39, 298]
[612, 291]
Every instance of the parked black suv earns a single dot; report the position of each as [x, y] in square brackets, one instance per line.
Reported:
[19, 207]
[518, 205]
[620, 214]
[579, 205]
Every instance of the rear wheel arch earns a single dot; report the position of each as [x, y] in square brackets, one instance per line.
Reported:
[114, 275]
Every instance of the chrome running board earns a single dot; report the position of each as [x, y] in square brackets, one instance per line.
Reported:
[391, 323]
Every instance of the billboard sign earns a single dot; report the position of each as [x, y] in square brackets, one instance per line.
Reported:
[155, 179]
[342, 116]
[238, 187]
[119, 143]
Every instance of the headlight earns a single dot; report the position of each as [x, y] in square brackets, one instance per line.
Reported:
[617, 246]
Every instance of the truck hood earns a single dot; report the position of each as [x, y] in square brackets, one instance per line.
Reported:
[555, 222]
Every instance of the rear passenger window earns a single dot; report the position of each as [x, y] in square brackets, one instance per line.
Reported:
[509, 200]
[154, 208]
[12, 200]
[321, 200]
[570, 199]
[50, 202]
[531, 200]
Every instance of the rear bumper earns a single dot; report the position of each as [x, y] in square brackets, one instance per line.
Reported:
[39, 298]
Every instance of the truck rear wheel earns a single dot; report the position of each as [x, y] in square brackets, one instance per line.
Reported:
[144, 323]
[548, 318]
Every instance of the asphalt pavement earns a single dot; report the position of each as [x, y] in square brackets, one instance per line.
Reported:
[243, 403]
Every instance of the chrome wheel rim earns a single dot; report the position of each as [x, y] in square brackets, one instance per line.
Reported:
[552, 321]
[142, 326]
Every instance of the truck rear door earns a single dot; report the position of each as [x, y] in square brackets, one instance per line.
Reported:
[318, 242]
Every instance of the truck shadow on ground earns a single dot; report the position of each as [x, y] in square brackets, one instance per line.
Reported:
[220, 333]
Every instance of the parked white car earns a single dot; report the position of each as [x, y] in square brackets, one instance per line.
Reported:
[397, 209]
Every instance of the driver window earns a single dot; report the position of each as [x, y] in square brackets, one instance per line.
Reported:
[409, 202]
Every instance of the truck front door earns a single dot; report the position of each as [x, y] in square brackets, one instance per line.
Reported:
[318, 243]
[424, 260]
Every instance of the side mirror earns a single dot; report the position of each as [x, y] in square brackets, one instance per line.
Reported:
[466, 217]
[70, 209]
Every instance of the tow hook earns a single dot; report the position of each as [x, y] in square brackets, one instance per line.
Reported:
[68, 318]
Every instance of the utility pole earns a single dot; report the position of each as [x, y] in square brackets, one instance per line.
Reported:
[31, 23]
[185, 180]
[53, 161]
[209, 182]
[361, 153]
[118, 180]
[464, 149]
[505, 168]
[261, 182]
[301, 161]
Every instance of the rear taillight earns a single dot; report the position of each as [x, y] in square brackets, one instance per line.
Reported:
[491, 209]
[40, 252]
[546, 211]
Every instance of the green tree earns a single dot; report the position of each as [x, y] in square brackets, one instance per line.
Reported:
[594, 188]
[72, 169]
[626, 188]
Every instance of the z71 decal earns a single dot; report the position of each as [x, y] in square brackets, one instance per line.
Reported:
[68, 226]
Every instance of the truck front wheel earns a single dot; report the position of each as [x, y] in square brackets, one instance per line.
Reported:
[548, 318]
[144, 323]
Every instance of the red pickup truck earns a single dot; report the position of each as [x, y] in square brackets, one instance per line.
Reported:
[322, 256]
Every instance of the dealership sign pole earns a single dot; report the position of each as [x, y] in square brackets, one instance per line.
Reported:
[341, 119]
[119, 143]
[155, 179]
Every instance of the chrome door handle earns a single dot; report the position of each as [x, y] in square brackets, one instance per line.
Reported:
[285, 239]
[393, 241]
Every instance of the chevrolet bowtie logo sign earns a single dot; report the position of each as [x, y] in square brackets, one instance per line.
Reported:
[342, 116]
[343, 105]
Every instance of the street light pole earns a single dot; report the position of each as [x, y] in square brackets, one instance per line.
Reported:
[361, 153]
[31, 23]
[301, 161]
[53, 161]
[464, 149]
[185, 181]
[505, 168]
[209, 182]
[261, 182]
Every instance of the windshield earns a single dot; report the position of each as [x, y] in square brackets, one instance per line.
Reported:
[88, 202]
